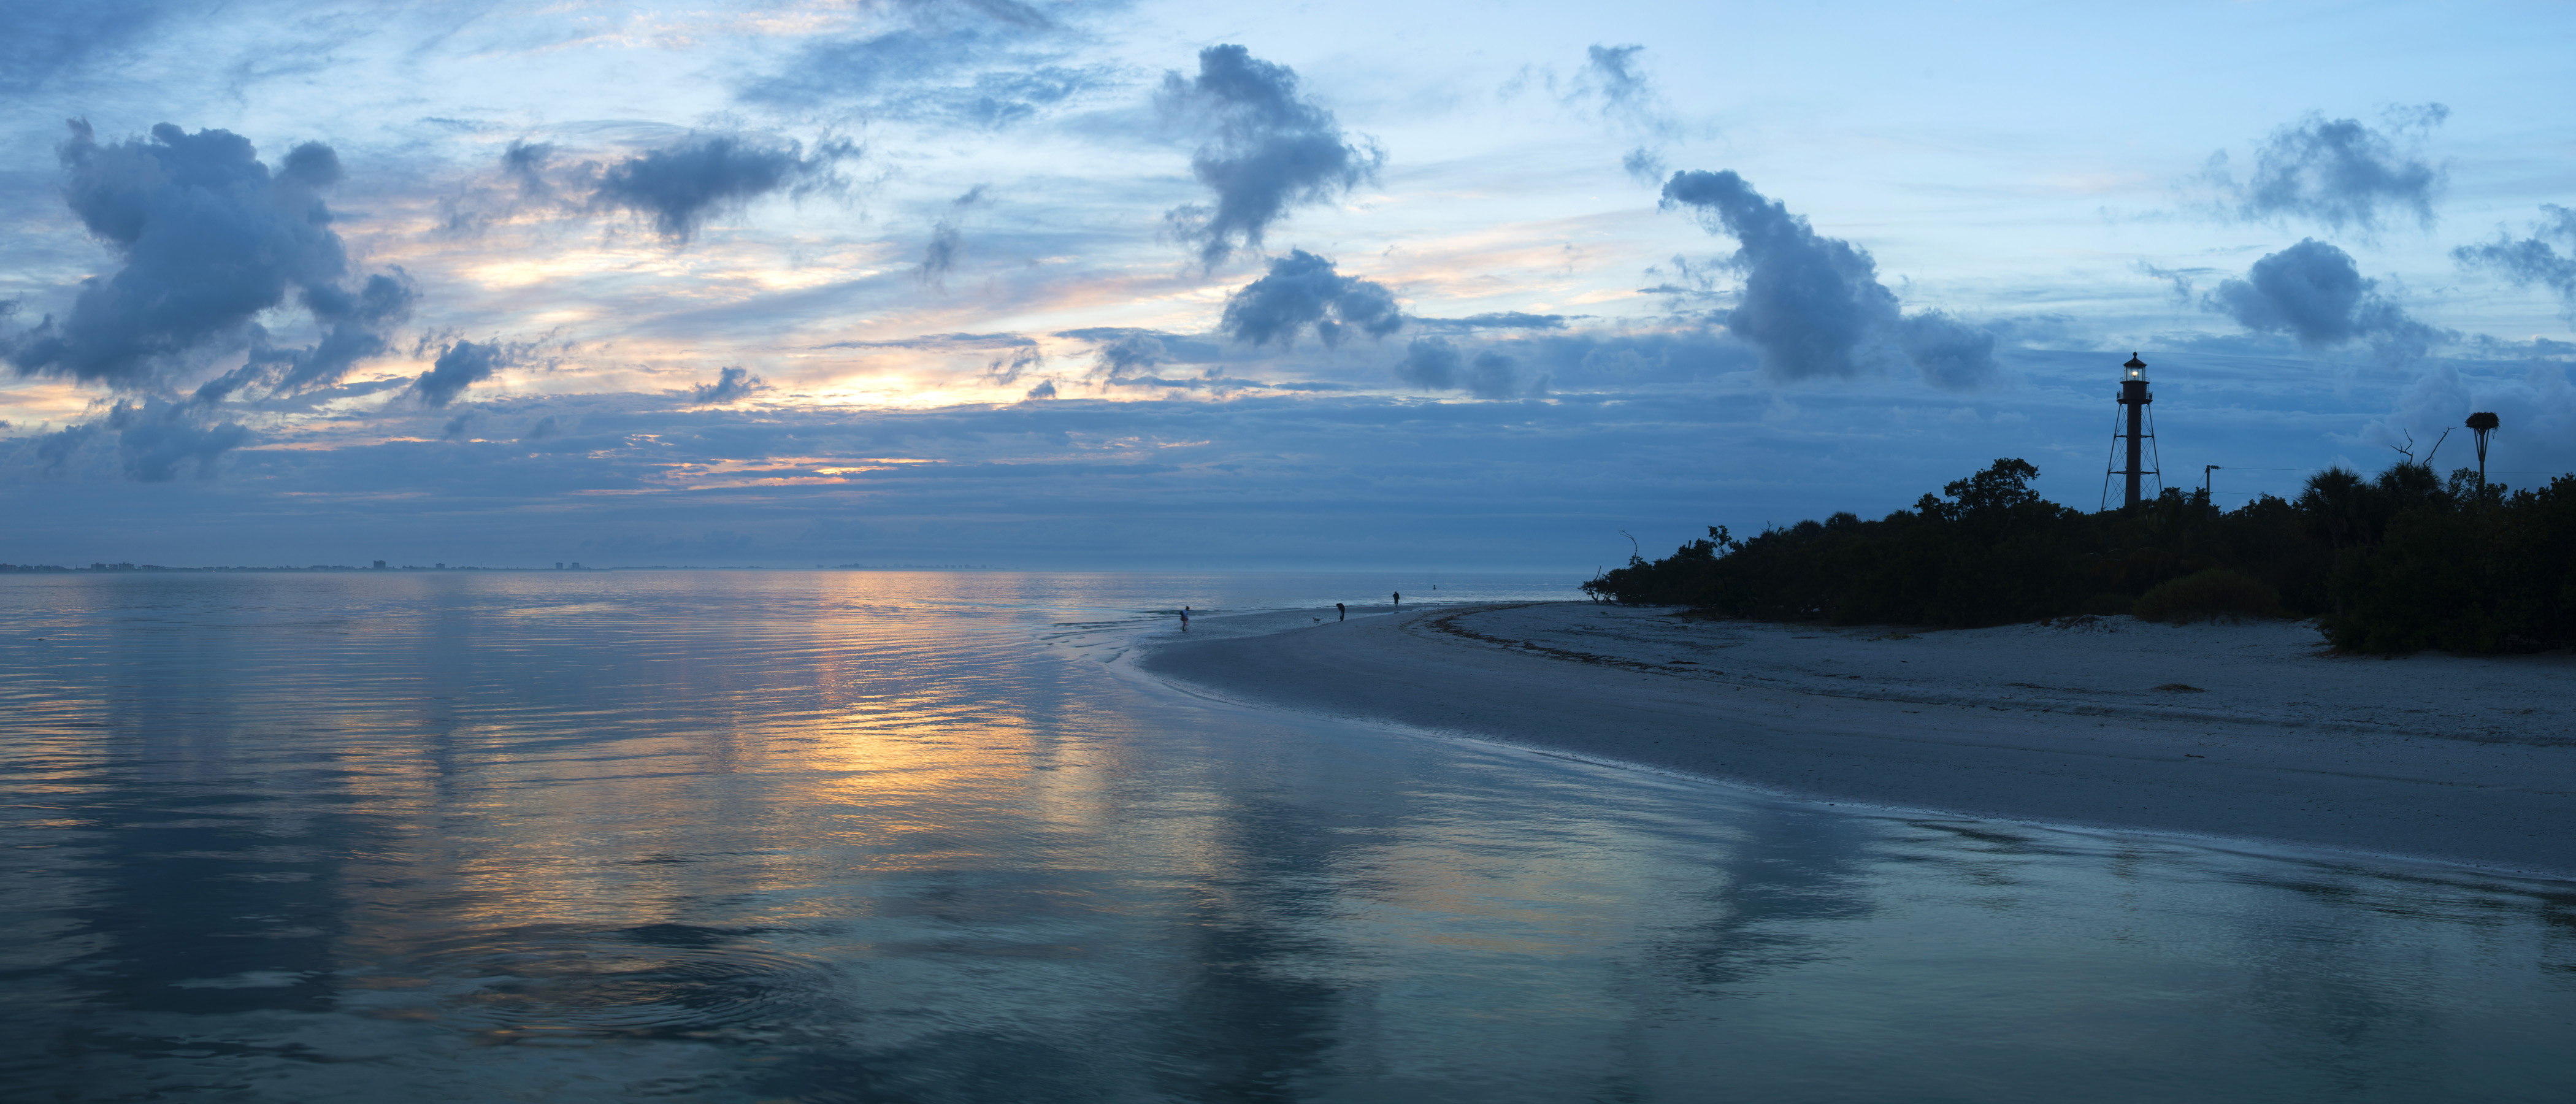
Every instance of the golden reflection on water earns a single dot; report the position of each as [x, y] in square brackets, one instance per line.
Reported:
[888, 836]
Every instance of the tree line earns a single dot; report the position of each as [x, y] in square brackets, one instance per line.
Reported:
[2400, 562]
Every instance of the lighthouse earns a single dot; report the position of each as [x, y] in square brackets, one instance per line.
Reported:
[2136, 433]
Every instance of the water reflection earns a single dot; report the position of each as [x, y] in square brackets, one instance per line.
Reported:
[868, 837]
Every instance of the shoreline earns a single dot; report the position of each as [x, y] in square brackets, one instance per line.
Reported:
[2241, 732]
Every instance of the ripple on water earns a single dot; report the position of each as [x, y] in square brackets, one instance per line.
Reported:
[654, 980]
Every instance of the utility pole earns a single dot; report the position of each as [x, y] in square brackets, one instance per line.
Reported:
[2205, 469]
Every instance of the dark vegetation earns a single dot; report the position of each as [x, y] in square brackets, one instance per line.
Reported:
[2396, 563]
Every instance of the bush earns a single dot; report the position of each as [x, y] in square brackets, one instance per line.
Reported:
[2108, 605]
[2206, 596]
[2388, 564]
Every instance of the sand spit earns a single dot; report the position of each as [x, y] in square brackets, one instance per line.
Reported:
[2248, 731]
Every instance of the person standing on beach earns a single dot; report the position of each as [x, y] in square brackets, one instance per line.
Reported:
[1399, 598]
[1185, 618]
[1343, 611]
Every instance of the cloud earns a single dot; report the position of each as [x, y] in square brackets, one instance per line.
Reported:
[456, 426]
[461, 365]
[46, 40]
[1613, 79]
[1133, 352]
[1612, 73]
[154, 439]
[1267, 150]
[2181, 280]
[1431, 363]
[1182, 348]
[1044, 390]
[947, 246]
[1643, 165]
[1435, 364]
[731, 384]
[525, 164]
[544, 428]
[1502, 320]
[986, 64]
[2314, 292]
[680, 185]
[1812, 305]
[939, 341]
[2538, 412]
[1951, 354]
[356, 327]
[1303, 290]
[1009, 367]
[208, 238]
[2339, 172]
[1493, 375]
[1613, 84]
[2533, 260]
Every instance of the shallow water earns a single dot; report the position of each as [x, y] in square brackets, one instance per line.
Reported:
[902, 837]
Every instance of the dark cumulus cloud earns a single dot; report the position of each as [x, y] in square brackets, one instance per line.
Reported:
[208, 237]
[1129, 354]
[1437, 364]
[1303, 290]
[2340, 172]
[1268, 149]
[2533, 260]
[1812, 306]
[154, 440]
[356, 326]
[681, 185]
[461, 364]
[731, 384]
[2314, 292]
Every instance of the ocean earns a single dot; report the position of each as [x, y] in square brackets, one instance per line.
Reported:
[923, 836]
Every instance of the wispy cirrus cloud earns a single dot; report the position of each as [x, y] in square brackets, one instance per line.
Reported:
[978, 64]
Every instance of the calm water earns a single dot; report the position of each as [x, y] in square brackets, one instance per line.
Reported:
[901, 837]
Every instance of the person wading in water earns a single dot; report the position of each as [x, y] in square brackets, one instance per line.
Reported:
[1185, 618]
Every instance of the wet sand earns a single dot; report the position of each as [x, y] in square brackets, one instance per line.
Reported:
[2245, 731]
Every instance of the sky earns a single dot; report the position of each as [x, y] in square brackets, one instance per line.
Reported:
[1097, 285]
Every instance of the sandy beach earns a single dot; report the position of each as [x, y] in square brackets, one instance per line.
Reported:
[2244, 731]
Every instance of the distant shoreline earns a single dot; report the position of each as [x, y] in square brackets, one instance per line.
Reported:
[2240, 731]
[137, 569]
